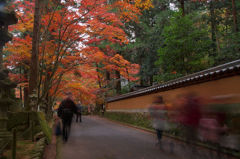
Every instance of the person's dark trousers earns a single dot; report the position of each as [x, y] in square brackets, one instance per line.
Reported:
[159, 134]
[79, 116]
[66, 129]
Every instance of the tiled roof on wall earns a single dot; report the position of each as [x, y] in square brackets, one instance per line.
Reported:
[214, 73]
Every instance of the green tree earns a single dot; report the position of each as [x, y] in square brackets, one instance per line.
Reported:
[229, 31]
[145, 38]
[185, 48]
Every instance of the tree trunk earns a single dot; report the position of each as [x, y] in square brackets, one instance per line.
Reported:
[213, 27]
[108, 75]
[48, 107]
[99, 79]
[34, 58]
[118, 82]
[128, 79]
[25, 91]
[108, 80]
[151, 80]
[20, 88]
[21, 96]
[182, 6]
[234, 12]
[1, 55]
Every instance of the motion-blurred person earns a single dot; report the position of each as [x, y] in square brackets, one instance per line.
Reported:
[103, 109]
[190, 116]
[158, 113]
[79, 112]
[65, 112]
[233, 138]
[57, 125]
[175, 115]
[211, 130]
[213, 125]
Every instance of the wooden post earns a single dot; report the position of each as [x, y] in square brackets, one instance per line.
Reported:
[32, 135]
[14, 144]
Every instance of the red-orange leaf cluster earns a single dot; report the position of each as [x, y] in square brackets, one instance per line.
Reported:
[69, 39]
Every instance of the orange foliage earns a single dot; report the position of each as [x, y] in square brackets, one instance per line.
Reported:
[70, 34]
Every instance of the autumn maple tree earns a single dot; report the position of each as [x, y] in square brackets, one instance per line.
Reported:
[74, 42]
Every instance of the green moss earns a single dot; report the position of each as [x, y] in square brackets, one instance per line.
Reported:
[45, 127]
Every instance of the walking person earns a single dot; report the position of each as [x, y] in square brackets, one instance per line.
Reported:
[79, 112]
[57, 125]
[65, 112]
[189, 118]
[158, 113]
[191, 115]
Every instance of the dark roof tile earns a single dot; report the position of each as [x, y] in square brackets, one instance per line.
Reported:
[217, 72]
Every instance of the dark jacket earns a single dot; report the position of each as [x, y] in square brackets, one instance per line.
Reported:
[79, 108]
[66, 109]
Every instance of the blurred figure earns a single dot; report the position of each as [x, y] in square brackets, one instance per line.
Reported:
[232, 140]
[190, 116]
[212, 126]
[103, 110]
[57, 125]
[211, 130]
[177, 109]
[65, 112]
[79, 112]
[158, 113]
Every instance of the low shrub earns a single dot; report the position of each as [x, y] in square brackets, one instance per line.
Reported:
[137, 119]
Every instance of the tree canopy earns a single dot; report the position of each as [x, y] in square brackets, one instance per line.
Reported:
[100, 48]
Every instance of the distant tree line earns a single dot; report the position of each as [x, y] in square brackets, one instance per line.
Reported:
[180, 37]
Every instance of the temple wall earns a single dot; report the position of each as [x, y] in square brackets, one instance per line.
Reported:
[226, 90]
